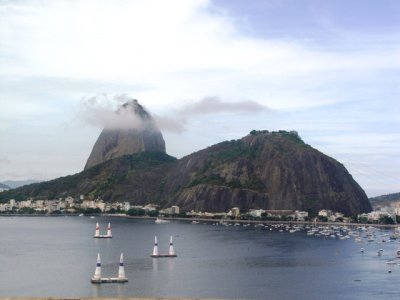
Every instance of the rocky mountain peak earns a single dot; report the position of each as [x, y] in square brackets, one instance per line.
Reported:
[135, 109]
[134, 132]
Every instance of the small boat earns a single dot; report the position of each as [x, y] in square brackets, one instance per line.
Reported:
[161, 221]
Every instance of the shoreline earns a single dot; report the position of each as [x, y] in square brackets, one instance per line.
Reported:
[208, 220]
[259, 221]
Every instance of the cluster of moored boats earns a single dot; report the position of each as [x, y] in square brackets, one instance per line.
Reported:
[333, 231]
[361, 234]
[121, 278]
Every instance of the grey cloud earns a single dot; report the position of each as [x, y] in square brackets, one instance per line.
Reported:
[176, 125]
[214, 105]
[206, 106]
[4, 160]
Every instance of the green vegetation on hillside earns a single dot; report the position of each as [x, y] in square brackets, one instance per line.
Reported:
[226, 154]
[233, 150]
[289, 135]
[94, 181]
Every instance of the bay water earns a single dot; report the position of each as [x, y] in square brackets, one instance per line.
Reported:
[56, 257]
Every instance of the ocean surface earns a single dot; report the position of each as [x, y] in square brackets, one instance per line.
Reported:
[56, 257]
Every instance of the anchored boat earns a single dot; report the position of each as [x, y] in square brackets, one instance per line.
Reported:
[161, 221]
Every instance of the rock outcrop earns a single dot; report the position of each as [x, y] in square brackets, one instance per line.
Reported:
[263, 170]
[138, 134]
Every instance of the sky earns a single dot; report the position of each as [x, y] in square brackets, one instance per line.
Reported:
[208, 71]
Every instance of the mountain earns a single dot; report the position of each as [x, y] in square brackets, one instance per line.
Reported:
[269, 170]
[136, 133]
[384, 200]
[4, 186]
[263, 170]
[17, 183]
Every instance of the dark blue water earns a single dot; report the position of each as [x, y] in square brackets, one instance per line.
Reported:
[56, 256]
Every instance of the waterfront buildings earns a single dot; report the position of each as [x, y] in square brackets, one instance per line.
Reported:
[71, 205]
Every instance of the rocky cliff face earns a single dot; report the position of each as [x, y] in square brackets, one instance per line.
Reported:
[263, 170]
[138, 134]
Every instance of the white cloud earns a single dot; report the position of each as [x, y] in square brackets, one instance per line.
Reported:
[177, 47]
[106, 111]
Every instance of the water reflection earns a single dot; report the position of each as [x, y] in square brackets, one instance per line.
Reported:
[171, 264]
[155, 265]
[96, 290]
